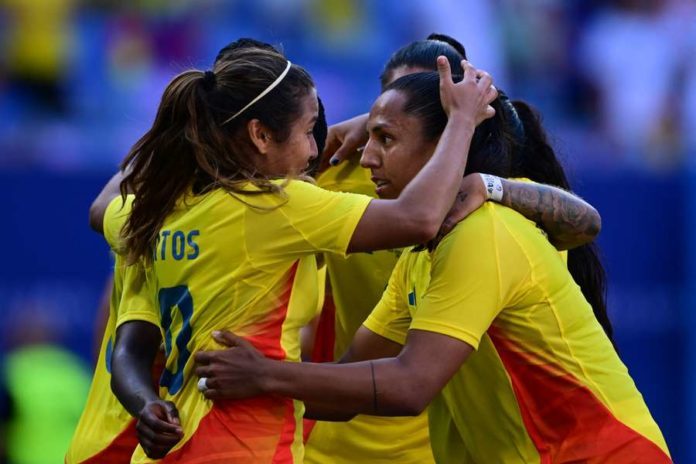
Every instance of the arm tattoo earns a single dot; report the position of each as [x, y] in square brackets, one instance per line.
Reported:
[567, 219]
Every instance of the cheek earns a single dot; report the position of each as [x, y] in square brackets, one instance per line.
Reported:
[404, 166]
[396, 164]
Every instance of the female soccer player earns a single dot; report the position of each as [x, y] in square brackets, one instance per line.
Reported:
[487, 326]
[358, 281]
[106, 431]
[230, 234]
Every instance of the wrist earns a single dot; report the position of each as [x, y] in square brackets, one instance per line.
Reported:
[493, 186]
[265, 379]
[147, 397]
[462, 119]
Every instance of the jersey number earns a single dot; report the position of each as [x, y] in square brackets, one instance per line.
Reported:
[170, 298]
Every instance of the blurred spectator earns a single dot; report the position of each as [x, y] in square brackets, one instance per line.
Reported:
[46, 387]
[688, 101]
[537, 34]
[636, 51]
[477, 25]
[37, 51]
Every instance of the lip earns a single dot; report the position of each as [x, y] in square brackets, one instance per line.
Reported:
[378, 181]
[380, 184]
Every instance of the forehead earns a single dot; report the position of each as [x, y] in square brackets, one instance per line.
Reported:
[387, 111]
[405, 70]
[310, 105]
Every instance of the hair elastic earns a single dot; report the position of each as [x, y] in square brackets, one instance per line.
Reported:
[209, 79]
[273, 85]
[516, 122]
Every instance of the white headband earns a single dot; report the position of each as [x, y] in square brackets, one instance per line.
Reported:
[273, 85]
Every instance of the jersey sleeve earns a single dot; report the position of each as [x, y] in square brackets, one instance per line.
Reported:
[391, 317]
[137, 301]
[115, 217]
[311, 220]
[469, 285]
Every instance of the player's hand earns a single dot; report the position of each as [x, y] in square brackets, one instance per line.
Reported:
[344, 140]
[158, 428]
[233, 373]
[471, 195]
[469, 99]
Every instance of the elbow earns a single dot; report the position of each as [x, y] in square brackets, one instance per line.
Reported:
[412, 400]
[425, 229]
[594, 223]
[413, 405]
[96, 216]
[116, 380]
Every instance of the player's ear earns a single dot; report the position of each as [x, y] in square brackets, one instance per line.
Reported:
[260, 135]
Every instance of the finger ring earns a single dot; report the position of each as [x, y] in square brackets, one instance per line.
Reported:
[203, 384]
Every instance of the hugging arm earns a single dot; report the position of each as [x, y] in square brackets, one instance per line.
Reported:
[568, 220]
[398, 386]
[158, 428]
[366, 345]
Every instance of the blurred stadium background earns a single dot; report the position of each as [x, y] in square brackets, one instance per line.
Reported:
[615, 80]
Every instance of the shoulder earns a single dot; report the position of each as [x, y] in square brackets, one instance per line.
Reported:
[298, 192]
[478, 225]
[349, 176]
[115, 216]
[487, 229]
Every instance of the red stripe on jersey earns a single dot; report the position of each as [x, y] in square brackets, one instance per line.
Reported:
[325, 338]
[266, 334]
[283, 452]
[323, 349]
[307, 426]
[246, 431]
[564, 419]
[120, 450]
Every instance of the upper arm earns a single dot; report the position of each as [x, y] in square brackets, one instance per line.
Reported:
[386, 224]
[568, 220]
[138, 339]
[431, 359]
[137, 297]
[114, 217]
[318, 220]
[367, 345]
[310, 220]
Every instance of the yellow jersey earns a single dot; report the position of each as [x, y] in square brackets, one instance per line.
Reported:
[244, 263]
[544, 384]
[106, 432]
[357, 283]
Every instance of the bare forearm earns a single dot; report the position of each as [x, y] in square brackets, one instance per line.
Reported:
[350, 388]
[132, 361]
[132, 385]
[567, 219]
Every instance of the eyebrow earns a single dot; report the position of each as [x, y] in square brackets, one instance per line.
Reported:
[379, 128]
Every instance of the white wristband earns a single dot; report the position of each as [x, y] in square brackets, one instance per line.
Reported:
[494, 187]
